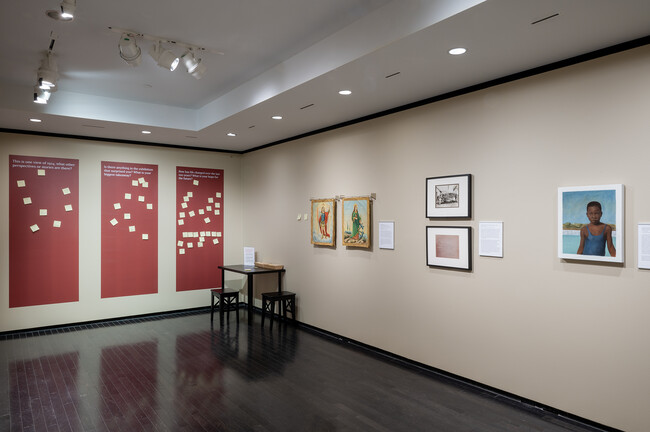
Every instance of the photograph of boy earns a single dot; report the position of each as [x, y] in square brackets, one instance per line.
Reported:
[595, 235]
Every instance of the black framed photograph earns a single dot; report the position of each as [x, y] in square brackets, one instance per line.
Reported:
[449, 247]
[449, 196]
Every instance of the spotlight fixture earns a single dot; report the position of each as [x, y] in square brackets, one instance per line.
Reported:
[457, 51]
[129, 50]
[48, 72]
[67, 9]
[41, 96]
[165, 58]
[194, 67]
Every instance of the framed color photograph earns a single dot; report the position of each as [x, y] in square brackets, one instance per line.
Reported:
[590, 223]
[449, 247]
[323, 222]
[449, 196]
[356, 222]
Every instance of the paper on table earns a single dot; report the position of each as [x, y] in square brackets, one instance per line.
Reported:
[42, 212]
[249, 256]
[21, 183]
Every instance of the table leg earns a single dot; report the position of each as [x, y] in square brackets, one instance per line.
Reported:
[279, 281]
[250, 298]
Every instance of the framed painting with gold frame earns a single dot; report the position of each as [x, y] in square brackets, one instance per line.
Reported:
[323, 222]
[356, 222]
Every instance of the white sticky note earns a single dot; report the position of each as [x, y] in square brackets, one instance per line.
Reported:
[199, 244]
[41, 172]
[181, 251]
[181, 222]
[66, 191]
[210, 200]
[42, 212]
[127, 196]
[141, 180]
[298, 218]
[218, 194]
[214, 233]
[186, 198]
[202, 234]
[179, 243]
[21, 183]
[149, 206]
[127, 215]
[145, 184]
[191, 213]
[134, 182]
[219, 234]
[131, 228]
[202, 239]
[184, 205]
[34, 228]
[215, 241]
[117, 206]
[190, 194]
[217, 212]
[190, 245]
[217, 205]
[27, 200]
[68, 207]
[195, 182]
[141, 198]
[208, 208]
[113, 221]
[206, 220]
[201, 211]
[56, 224]
[145, 236]
[184, 234]
[181, 214]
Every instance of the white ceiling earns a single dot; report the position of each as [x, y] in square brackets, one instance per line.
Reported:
[281, 56]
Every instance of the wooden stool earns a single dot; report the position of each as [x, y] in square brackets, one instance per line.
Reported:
[288, 300]
[227, 300]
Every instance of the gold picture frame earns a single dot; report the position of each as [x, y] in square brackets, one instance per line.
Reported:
[323, 222]
[356, 222]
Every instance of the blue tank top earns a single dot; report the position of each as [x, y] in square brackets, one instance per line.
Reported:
[594, 244]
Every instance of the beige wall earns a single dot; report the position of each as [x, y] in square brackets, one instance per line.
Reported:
[90, 154]
[572, 335]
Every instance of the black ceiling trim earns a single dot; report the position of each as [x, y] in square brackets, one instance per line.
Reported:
[495, 82]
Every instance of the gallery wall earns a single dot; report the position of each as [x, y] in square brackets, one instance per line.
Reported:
[128, 280]
[567, 334]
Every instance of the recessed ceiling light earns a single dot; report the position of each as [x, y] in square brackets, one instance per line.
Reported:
[345, 92]
[277, 117]
[457, 51]
[146, 132]
[35, 120]
[231, 134]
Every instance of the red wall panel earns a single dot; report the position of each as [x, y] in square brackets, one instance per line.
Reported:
[43, 230]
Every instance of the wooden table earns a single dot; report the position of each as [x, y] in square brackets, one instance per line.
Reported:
[250, 272]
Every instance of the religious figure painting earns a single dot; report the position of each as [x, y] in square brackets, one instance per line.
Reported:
[356, 222]
[590, 223]
[323, 226]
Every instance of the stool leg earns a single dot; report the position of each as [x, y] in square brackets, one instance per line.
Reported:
[263, 309]
[272, 304]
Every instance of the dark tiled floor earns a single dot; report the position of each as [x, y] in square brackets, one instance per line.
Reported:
[179, 374]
